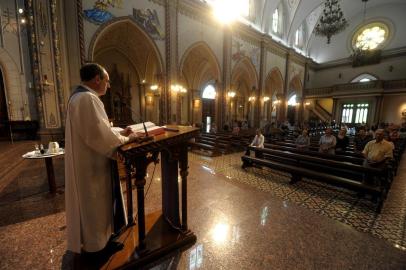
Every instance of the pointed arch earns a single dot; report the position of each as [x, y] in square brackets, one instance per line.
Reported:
[134, 63]
[273, 83]
[199, 65]
[120, 23]
[295, 86]
[11, 81]
[244, 74]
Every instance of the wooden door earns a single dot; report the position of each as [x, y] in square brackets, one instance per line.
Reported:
[208, 110]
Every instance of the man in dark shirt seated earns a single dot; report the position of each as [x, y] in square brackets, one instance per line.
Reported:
[361, 140]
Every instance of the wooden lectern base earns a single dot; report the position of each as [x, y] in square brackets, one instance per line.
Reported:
[161, 241]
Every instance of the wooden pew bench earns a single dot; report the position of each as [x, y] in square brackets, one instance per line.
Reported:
[335, 172]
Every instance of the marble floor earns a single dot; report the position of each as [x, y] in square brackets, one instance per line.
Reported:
[243, 219]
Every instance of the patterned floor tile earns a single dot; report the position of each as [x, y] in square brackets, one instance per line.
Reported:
[336, 203]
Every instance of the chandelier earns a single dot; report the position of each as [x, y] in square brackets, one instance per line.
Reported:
[332, 20]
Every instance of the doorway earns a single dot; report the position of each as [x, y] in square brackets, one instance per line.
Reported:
[4, 130]
[208, 114]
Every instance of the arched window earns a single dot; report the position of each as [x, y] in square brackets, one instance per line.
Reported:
[245, 8]
[299, 37]
[292, 101]
[275, 21]
[364, 78]
[209, 92]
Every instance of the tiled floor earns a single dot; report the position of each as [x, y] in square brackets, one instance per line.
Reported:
[337, 203]
[243, 219]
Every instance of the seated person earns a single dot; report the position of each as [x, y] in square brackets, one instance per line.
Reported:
[342, 140]
[303, 141]
[361, 140]
[379, 150]
[213, 128]
[258, 142]
[236, 130]
[327, 142]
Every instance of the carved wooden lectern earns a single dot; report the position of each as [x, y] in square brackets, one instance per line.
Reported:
[172, 231]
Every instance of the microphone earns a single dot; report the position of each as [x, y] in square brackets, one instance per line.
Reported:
[122, 103]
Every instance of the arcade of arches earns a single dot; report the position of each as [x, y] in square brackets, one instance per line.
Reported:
[173, 63]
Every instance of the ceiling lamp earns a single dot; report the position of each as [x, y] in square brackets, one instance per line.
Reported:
[332, 20]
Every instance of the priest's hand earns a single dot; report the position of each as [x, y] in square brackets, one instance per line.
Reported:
[133, 137]
[126, 132]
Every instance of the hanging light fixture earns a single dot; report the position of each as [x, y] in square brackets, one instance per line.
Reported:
[332, 20]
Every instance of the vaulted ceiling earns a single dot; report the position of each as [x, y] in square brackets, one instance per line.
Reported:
[306, 13]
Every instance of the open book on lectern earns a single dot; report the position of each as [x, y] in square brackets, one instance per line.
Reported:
[151, 128]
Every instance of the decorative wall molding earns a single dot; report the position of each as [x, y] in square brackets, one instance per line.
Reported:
[79, 9]
[378, 87]
[387, 54]
[57, 61]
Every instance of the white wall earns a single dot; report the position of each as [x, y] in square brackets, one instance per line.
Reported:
[392, 109]
[328, 77]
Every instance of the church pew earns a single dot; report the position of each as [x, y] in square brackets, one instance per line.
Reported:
[336, 172]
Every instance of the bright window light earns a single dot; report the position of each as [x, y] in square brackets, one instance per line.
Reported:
[292, 101]
[275, 21]
[227, 11]
[371, 36]
[209, 92]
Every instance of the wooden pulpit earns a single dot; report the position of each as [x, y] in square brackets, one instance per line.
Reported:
[171, 229]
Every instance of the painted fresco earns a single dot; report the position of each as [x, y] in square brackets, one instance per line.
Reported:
[149, 21]
[99, 14]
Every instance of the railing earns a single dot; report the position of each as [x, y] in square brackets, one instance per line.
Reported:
[358, 86]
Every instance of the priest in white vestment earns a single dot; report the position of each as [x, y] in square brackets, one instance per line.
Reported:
[90, 143]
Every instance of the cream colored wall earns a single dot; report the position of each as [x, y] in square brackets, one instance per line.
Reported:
[191, 31]
[392, 108]
[274, 60]
[331, 76]
[326, 103]
[245, 48]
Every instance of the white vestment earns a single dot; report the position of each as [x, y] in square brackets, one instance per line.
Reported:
[89, 143]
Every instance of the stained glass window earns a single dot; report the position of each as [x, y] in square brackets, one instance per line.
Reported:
[371, 36]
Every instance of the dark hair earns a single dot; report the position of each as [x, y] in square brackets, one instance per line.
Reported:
[90, 70]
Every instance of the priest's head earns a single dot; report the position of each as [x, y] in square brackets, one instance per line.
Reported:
[96, 77]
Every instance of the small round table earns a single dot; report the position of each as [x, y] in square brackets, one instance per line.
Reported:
[48, 163]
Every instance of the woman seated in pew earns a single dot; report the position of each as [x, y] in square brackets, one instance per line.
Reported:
[342, 140]
[327, 142]
[258, 142]
[303, 141]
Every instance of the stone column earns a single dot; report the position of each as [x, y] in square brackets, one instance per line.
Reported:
[259, 93]
[170, 103]
[282, 110]
[334, 115]
[222, 104]
[378, 109]
[46, 66]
